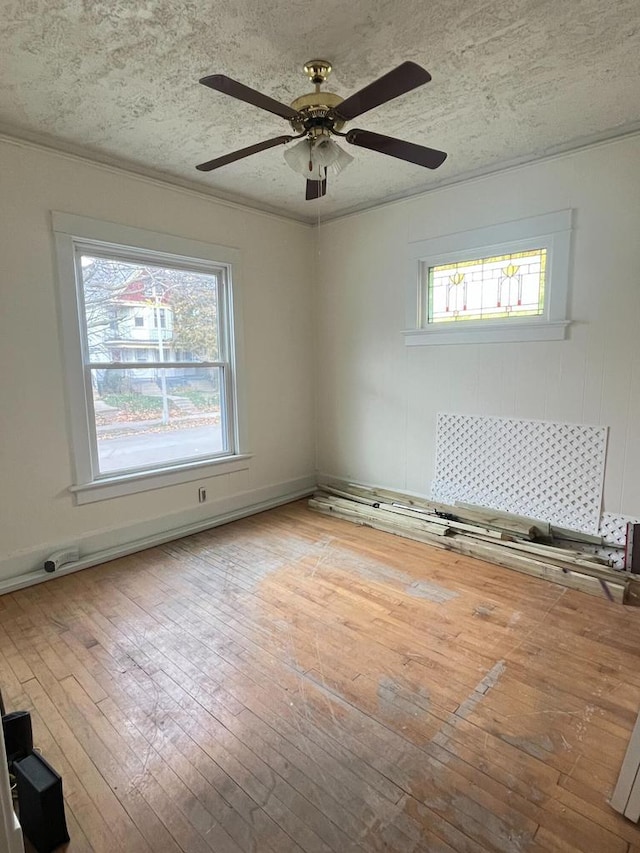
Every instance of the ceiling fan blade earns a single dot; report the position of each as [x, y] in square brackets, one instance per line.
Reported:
[402, 79]
[238, 90]
[316, 189]
[409, 151]
[243, 152]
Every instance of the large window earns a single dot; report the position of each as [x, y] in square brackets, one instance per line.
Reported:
[499, 283]
[152, 357]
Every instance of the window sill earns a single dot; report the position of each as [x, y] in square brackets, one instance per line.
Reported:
[488, 333]
[129, 484]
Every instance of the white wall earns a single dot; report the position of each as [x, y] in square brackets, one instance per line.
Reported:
[377, 399]
[37, 513]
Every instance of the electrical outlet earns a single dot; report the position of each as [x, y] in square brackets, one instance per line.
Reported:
[202, 494]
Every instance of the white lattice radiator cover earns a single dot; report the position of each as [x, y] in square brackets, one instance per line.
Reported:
[541, 469]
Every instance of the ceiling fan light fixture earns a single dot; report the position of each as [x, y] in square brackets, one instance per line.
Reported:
[312, 156]
[331, 155]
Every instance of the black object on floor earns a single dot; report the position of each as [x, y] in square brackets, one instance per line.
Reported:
[18, 736]
[40, 803]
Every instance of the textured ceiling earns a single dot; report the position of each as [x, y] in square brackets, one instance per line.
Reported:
[117, 80]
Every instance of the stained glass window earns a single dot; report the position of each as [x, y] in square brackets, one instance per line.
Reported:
[494, 288]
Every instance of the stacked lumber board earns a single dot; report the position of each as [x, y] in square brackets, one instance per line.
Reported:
[527, 545]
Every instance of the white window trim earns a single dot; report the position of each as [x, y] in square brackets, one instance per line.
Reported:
[551, 231]
[69, 230]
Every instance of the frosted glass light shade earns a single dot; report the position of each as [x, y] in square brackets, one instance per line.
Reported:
[311, 157]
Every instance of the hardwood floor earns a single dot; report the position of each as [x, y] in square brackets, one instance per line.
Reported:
[296, 683]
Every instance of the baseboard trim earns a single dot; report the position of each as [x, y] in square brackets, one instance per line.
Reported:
[121, 550]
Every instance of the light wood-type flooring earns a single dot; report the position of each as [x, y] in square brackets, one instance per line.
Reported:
[292, 682]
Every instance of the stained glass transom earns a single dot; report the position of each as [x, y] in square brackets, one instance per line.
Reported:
[494, 288]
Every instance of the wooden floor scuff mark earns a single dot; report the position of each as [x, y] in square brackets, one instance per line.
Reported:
[464, 710]
[490, 680]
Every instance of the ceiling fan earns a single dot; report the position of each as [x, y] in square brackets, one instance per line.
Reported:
[320, 115]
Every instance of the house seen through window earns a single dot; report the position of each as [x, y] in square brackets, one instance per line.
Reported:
[156, 360]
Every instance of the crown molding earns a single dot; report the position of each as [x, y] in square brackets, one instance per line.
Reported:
[69, 151]
[475, 176]
[66, 150]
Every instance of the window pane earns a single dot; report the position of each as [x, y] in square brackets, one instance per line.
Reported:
[488, 288]
[147, 417]
[131, 307]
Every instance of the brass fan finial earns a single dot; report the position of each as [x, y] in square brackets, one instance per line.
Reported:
[317, 70]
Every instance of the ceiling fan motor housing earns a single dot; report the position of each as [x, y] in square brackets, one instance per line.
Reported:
[315, 109]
